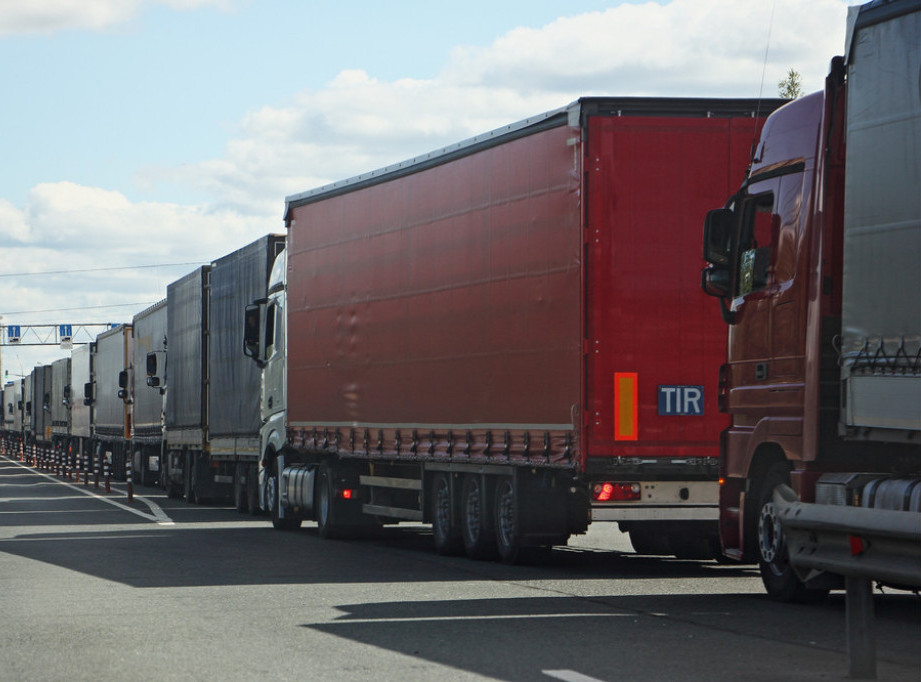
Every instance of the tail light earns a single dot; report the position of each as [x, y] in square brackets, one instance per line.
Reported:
[616, 492]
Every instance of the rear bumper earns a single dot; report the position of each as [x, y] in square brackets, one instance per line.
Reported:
[665, 501]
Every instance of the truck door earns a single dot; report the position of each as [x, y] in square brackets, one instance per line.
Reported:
[767, 344]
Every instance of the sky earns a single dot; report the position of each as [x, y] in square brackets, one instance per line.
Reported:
[141, 138]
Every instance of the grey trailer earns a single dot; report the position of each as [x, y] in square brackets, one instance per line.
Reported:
[185, 429]
[881, 303]
[60, 402]
[149, 329]
[234, 381]
[81, 404]
[112, 378]
[26, 410]
[41, 405]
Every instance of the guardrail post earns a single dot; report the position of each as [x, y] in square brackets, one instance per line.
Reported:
[861, 630]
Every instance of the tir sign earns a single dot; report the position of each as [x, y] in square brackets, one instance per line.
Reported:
[681, 401]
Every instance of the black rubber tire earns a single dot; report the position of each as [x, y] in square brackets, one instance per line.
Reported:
[446, 531]
[252, 490]
[507, 518]
[778, 576]
[271, 484]
[240, 500]
[476, 521]
[329, 526]
[649, 543]
[188, 477]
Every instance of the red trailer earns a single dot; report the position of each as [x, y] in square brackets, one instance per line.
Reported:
[506, 338]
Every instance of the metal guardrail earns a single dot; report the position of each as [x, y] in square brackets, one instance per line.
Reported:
[863, 545]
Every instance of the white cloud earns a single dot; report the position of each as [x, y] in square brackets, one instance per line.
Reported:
[48, 16]
[358, 123]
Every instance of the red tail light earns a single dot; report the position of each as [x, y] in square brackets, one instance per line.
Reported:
[616, 492]
[346, 494]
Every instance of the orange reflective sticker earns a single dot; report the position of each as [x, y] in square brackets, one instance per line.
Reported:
[625, 406]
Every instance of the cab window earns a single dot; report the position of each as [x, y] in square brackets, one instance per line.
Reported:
[758, 233]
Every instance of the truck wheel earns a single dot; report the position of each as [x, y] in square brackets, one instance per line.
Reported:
[252, 490]
[649, 543]
[188, 478]
[780, 581]
[445, 529]
[240, 500]
[327, 524]
[476, 529]
[272, 501]
[507, 518]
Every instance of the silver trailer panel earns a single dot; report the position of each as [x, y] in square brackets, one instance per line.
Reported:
[41, 403]
[60, 397]
[186, 311]
[149, 328]
[881, 325]
[233, 379]
[12, 406]
[26, 414]
[80, 375]
[111, 358]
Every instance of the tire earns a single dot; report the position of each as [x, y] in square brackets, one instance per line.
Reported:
[648, 543]
[240, 500]
[252, 490]
[778, 576]
[188, 478]
[445, 529]
[173, 489]
[507, 517]
[272, 502]
[328, 527]
[476, 527]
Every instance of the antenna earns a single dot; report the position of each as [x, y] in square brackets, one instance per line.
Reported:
[767, 47]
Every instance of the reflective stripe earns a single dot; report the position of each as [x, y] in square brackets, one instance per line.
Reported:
[625, 406]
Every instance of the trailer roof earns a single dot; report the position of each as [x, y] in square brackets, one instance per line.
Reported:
[573, 114]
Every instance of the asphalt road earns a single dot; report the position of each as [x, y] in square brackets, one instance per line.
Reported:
[93, 587]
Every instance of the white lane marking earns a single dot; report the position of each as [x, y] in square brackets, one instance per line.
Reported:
[157, 515]
[512, 616]
[570, 676]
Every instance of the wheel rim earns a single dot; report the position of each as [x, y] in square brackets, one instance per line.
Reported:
[770, 537]
[505, 510]
[271, 492]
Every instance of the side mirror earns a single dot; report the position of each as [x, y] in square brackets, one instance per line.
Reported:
[156, 370]
[718, 236]
[253, 331]
[123, 379]
[66, 398]
[88, 393]
[715, 281]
